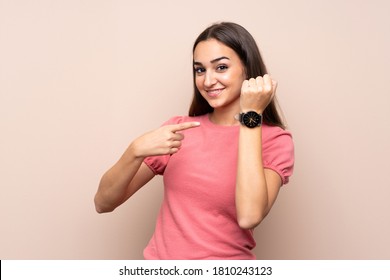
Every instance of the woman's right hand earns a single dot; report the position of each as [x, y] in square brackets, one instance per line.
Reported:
[128, 175]
[162, 141]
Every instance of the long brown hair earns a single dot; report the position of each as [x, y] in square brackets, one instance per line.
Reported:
[241, 41]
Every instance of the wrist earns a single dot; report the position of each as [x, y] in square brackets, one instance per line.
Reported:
[133, 152]
[245, 110]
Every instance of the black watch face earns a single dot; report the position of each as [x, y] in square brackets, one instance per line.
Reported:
[251, 119]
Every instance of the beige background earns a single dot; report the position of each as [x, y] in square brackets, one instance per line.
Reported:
[80, 79]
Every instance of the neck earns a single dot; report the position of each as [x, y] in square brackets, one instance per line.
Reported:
[224, 117]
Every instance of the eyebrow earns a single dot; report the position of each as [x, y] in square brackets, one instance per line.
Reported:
[212, 61]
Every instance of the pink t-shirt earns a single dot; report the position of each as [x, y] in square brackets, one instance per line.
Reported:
[197, 219]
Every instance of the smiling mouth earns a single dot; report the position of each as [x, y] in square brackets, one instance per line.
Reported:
[214, 92]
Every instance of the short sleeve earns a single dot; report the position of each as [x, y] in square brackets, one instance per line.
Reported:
[158, 163]
[278, 151]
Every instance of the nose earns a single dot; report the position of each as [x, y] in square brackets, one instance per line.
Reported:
[209, 79]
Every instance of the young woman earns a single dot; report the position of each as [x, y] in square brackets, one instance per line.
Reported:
[223, 165]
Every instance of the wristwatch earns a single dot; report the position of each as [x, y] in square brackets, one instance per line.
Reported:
[250, 119]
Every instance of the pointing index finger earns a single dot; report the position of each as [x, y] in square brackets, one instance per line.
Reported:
[184, 126]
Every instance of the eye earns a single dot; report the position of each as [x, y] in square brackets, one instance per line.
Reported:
[199, 70]
[222, 67]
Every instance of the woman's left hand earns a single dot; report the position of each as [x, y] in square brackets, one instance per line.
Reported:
[257, 93]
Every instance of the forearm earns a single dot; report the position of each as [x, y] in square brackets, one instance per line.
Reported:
[113, 187]
[128, 174]
[251, 185]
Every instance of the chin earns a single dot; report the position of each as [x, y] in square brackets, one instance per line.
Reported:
[215, 105]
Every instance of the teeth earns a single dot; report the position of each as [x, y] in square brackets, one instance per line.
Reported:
[215, 91]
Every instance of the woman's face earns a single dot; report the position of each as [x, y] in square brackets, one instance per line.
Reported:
[219, 74]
